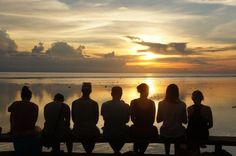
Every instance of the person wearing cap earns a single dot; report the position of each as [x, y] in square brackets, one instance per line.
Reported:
[85, 117]
[23, 118]
[116, 114]
[143, 112]
[57, 123]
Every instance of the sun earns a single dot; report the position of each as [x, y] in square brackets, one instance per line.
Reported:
[150, 56]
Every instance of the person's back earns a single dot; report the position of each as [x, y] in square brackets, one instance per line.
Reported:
[143, 116]
[172, 112]
[57, 123]
[84, 112]
[116, 115]
[173, 116]
[143, 112]
[23, 127]
[85, 117]
[23, 116]
[56, 114]
[199, 122]
[200, 118]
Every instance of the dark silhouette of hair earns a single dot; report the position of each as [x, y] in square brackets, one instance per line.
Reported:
[116, 91]
[86, 88]
[143, 88]
[26, 94]
[172, 93]
[197, 95]
[59, 97]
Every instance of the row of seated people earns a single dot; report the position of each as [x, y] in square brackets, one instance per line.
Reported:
[116, 114]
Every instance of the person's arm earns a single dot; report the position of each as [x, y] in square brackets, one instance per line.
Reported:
[45, 112]
[67, 115]
[35, 114]
[210, 119]
[73, 112]
[184, 115]
[96, 113]
[153, 112]
[132, 111]
[127, 114]
[159, 113]
[10, 108]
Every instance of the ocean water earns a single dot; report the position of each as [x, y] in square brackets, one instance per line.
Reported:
[219, 92]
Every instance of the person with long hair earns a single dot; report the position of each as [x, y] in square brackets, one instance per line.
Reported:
[200, 120]
[172, 112]
[143, 116]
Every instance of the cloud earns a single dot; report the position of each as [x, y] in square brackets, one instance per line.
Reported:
[173, 48]
[63, 49]
[38, 49]
[215, 49]
[6, 43]
[223, 2]
[224, 32]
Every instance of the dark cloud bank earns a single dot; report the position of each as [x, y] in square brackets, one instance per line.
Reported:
[62, 57]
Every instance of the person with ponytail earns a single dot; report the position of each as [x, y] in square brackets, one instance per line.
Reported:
[200, 121]
[143, 112]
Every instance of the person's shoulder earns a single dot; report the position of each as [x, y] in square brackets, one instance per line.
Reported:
[162, 102]
[189, 108]
[206, 107]
[93, 102]
[105, 104]
[34, 104]
[76, 101]
[182, 103]
[151, 101]
[48, 105]
[124, 104]
[13, 105]
[65, 105]
[134, 101]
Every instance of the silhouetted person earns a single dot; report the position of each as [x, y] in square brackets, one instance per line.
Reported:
[85, 117]
[116, 115]
[199, 121]
[143, 116]
[172, 112]
[57, 123]
[23, 118]
[234, 107]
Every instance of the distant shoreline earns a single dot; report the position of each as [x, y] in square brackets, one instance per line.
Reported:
[59, 75]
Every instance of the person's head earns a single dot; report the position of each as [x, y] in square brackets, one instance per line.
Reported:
[143, 89]
[59, 97]
[26, 93]
[197, 97]
[172, 93]
[116, 92]
[86, 88]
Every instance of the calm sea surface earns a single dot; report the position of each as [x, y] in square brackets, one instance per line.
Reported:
[219, 92]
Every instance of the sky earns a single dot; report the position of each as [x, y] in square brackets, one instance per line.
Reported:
[163, 36]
